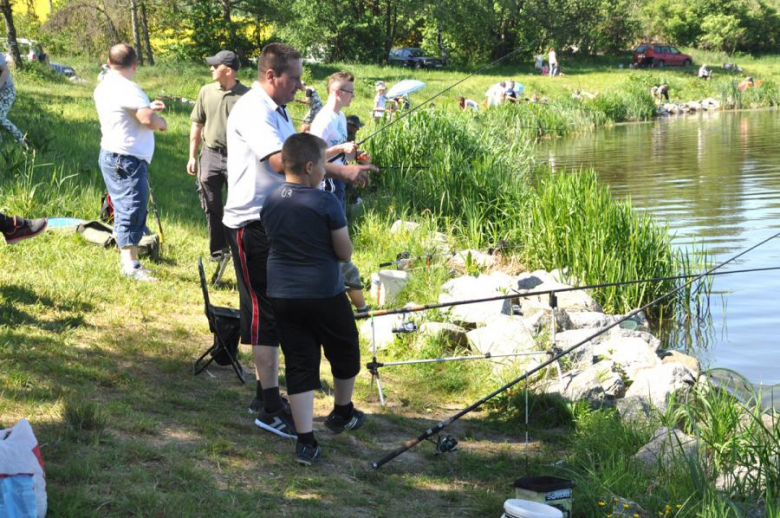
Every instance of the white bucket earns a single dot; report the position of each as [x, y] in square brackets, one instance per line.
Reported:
[516, 508]
[391, 283]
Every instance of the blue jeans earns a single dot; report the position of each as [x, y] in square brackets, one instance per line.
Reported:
[128, 186]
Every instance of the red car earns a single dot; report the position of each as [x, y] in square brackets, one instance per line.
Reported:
[660, 55]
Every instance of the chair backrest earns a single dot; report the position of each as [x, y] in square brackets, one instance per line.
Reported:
[204, 288]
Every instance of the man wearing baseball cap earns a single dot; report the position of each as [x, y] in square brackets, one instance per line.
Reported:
[353, 125]
[209, 125]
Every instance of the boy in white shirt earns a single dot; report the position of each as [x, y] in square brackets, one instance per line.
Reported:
[330, 125]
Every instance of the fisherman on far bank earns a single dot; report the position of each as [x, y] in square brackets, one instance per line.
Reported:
[209, 125]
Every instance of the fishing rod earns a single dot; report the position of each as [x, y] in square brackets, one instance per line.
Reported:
[373, 365]
[447, 422]
[156, 212]
[517, 294]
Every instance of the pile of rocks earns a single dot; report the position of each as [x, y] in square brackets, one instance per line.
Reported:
[708, 104]
[622, 367]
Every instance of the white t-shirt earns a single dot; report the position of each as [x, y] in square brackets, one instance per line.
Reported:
[495, 94]
[116, 99]
[552, 58]
[9, 81]
[379, 102]
[255, 131]
[332, 128]
[472, 104]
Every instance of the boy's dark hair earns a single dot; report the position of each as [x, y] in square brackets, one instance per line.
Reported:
[276, 57]
[122, 56]
[342, 77]
[301, 148]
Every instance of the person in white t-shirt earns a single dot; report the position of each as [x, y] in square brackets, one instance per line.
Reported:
[257, 128]
[552, 59]
[127, 123]
[495, 94]
[380, 102]
[330, 125]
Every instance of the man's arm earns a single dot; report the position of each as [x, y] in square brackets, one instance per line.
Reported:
[357, 174]
[196, 130]
[151, 120]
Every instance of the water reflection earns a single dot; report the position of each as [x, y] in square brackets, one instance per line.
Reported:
[714, 179]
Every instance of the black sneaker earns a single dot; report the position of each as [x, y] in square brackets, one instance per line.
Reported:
[257, 404]
[337, 424]
[24, 229]
[306, 454]
[279, 423]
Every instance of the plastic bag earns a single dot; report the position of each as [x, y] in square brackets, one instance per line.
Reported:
[20, 455]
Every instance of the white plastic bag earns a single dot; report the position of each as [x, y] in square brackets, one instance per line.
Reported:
[20, 455]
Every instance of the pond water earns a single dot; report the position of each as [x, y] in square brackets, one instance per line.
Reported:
[714, 179]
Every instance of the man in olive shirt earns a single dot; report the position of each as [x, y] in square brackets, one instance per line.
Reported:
[209, 124]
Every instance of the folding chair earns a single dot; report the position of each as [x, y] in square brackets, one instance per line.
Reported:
[225, 325]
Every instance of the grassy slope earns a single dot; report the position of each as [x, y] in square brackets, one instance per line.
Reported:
[154, 440]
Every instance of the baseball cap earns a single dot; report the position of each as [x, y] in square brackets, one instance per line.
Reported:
[355, 121]
[225, 57]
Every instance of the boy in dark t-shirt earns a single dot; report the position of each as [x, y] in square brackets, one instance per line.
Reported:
[308, 236]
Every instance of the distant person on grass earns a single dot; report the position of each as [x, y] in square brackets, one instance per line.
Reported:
[380, 101]
[7, 98]
[468, 104]
[307, 231]
[311, 99]
[209, 125]
[257, 128]
[331, 126]
[15, 228]
[128, 122]
[552, 59]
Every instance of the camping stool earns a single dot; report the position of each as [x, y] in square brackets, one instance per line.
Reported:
[225, 325]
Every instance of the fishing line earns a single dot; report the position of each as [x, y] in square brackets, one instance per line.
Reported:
[443, 424]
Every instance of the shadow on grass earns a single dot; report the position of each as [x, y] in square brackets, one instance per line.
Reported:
[12, 296]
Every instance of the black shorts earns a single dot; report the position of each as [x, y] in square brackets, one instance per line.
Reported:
[249, 247]
[304, 325]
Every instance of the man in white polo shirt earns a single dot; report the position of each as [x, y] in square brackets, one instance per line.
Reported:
[257, 127]
[127, 122]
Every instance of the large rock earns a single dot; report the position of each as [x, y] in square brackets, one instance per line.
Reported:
[632, 354]
[599, 384]
[665, 446]
[454, 336]
[484, 286]
[504, 336]
[584, 353]
[590, 319]
[540, 280]
[652, 388]
[404, 226]
[383, 330]
[690, 362]
[542, 321]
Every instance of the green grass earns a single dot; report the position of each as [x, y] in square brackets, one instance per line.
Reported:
[102, 366]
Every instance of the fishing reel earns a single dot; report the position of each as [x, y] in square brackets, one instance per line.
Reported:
[405, 328]
[446, 444]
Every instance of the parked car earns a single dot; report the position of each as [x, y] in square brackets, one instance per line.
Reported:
[660, 55]
[30, 50]
[413, 57]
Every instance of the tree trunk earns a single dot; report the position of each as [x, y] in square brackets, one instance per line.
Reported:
[10, 30]
[136, 32]
[388, 30]
[145, 28]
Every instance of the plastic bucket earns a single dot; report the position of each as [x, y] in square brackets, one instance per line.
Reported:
[514, 508]
[392, 282]
[553, 491]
